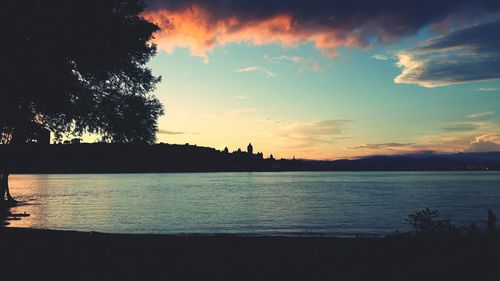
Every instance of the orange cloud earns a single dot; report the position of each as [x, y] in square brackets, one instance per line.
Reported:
[196, 29]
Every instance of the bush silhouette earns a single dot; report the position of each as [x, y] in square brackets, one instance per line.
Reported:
[427, 223]
[472, 230]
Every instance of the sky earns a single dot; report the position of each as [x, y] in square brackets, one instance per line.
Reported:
[329, 79]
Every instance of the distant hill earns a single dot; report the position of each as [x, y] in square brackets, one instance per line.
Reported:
[417, 162]
[493, 155]
[125, 158]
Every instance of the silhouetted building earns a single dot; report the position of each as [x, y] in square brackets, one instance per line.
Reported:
[250, 149]
[226, 150]
[271, 157]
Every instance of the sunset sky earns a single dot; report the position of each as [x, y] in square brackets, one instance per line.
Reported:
[329, 79]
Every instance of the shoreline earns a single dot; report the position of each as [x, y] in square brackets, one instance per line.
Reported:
[215, 234]
[72, 255]
[257, 171]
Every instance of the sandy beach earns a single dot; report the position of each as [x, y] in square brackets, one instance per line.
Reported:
[64, 255]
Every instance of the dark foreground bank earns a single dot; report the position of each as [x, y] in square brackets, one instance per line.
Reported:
[50, 255]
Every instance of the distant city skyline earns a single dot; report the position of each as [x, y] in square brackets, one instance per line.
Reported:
[319, 83]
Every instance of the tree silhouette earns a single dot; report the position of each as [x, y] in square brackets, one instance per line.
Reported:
[75, 67]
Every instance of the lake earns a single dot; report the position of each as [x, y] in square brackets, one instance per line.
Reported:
[288, 203]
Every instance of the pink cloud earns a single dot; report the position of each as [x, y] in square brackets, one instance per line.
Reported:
[196, 29]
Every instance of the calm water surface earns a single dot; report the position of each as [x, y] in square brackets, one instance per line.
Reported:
[331, 203]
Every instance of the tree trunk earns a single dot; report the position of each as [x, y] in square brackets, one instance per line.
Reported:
[4, 189]
[7, 191]
[16, 137]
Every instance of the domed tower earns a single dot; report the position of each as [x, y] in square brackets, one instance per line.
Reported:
[250, 149]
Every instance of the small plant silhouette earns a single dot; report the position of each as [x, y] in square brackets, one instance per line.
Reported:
[472, 230]
[427, 223]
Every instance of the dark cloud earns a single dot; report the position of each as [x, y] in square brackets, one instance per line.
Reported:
[462, 127]
[202, 24]
[467, 55]
[312, 134]
[485, 143]
[166, 132]
[383, 146]
[483, 146]
[323, 128]
[396, 15]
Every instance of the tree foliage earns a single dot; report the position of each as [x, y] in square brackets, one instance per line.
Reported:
[75, 67]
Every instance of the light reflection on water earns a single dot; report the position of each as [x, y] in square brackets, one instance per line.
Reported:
[333, 203]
